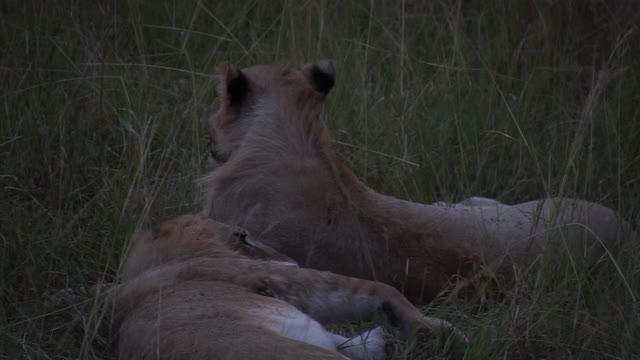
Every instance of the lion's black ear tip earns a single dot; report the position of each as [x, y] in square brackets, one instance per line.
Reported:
[328, 67]
[322, 75]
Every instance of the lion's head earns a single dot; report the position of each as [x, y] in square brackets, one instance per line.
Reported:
[190, 236]
[277, 96]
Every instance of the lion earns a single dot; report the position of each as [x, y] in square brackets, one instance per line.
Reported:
[149, 249]
[199, 289]
[279, 176]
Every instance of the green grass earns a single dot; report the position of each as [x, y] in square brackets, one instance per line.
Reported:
[435, 100]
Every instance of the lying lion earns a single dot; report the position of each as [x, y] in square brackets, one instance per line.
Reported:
[197, 289]
[279, 176]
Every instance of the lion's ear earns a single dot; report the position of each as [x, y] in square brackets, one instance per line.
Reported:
[321, 75]
[235, 86]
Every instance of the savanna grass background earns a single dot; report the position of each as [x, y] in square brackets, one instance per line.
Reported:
[435, 100]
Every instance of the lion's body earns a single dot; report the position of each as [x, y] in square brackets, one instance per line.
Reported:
[225, 304]
[281, 179]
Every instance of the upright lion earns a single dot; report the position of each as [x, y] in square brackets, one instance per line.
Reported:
[197, 289]
[279, 176]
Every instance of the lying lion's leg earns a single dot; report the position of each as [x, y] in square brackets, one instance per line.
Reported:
[324, 296]
[331, 298]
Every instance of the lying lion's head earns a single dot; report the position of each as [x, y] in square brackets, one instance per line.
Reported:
[191, 236]
[275, 95]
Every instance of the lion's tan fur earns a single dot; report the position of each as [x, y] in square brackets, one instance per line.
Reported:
[197, 237]
[281, 179]
[182, 302]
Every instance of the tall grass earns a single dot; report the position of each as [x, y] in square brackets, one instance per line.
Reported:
[435, 100]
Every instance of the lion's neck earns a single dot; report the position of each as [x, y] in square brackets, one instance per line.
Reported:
[295, 163]
[282, 131]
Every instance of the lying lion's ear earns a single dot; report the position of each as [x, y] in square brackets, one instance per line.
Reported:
[321, 75]
[235, 85]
